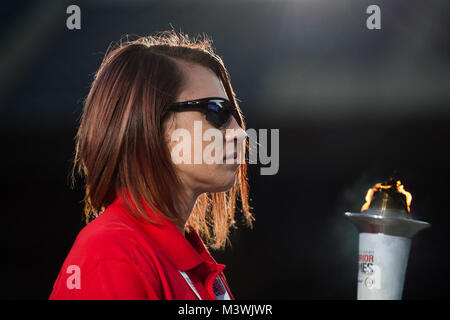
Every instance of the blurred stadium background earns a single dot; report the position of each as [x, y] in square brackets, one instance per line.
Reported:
[352, 105]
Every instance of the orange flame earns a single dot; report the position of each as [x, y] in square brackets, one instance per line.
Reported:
[379, 186]
[401, 189]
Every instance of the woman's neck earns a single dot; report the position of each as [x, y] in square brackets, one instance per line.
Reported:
[185, 208]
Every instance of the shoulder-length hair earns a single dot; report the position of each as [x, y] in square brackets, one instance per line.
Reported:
[120, 143]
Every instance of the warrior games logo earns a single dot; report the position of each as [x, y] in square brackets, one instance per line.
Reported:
[369, 273]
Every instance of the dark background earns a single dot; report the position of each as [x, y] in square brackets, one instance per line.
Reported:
[352, 105]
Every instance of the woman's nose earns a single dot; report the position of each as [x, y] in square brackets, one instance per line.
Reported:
[235, 132]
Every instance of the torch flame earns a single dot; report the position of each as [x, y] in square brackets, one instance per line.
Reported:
[401, 189]
[379, 186]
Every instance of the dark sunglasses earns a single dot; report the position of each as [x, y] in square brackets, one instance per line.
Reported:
[218, 110]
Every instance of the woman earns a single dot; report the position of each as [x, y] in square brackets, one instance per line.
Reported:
[149, 210]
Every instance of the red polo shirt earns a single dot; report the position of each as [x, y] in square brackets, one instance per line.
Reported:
[117, 256]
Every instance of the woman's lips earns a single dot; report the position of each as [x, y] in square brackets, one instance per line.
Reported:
[231, 156]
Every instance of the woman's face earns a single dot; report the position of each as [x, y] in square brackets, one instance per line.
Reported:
[203, 176]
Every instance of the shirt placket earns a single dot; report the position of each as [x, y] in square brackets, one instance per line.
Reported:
[210, 279]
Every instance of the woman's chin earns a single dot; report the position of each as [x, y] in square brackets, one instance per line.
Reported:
[224, 184]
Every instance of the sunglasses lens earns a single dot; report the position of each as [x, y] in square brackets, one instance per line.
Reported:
[218, 118]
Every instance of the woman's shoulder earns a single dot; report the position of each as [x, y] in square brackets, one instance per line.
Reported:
[107, 259]
[110, 236]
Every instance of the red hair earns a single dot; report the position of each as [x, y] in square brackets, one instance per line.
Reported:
[120, 142]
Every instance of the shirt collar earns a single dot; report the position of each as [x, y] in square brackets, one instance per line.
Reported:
[183, 252]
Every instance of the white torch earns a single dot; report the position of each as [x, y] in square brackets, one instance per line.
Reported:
[385, 230]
